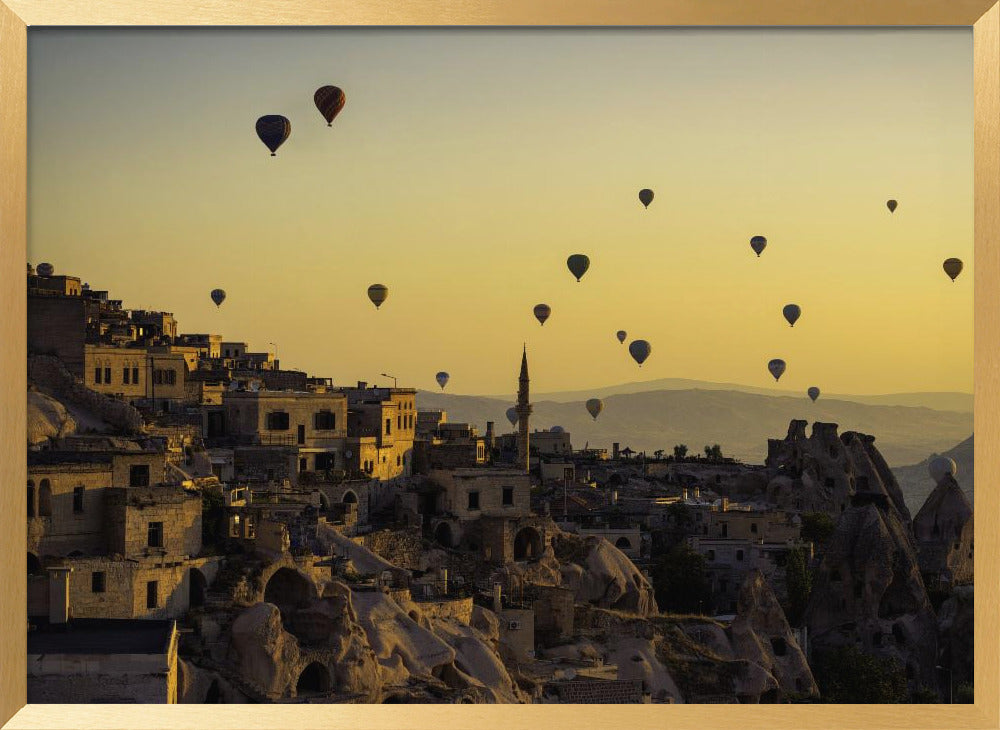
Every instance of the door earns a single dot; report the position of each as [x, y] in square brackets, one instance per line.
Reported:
[302, 434]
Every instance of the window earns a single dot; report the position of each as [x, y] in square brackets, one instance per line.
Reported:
[155, 535]
[325, 421]
[388, 426]
[753, 527]
[739, 555]
[301, 434]
[135, 375]
[304, 464]
[277, 421]
[31, 499]
[77, 500]
[399, 461]
[107, 375]
[399, 422]
[97, 581]
[508, 496]
[234, 529]
[138, 475]
[125, 374]
[725, 529]
[251, 529]
[152, 589]
[97, 375]
[325, 461]
[44, 499]
[473, 500]
[711, 555]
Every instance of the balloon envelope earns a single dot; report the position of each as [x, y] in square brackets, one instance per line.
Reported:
[777, 368]
[329, 100]
[639, 350]
[621, 335]
[442, 378]
[542, 312]
[378, 294]
[512, 416]
[792, 312]
[218, 296]
[45, 270]
[646, 196]
[757, 243]
[941, 465]
[891, 205]
[273, 130]
[953, 267]
[594, 407]
[578, 265]
[813, 393]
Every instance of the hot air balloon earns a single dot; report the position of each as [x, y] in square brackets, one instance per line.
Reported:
[792, 312]
[542, 312]
[646, 196]
[578, 265]
[757, 243]
[218, 296]
[953, 267]
[442, 379]
[891, 205]
[639, 350]
[813, 393]
[939, 466]
[45, 270]
[594, 407]
[378, 294]
[273, 130]
[621, 335]
[777, 367]
[512, 416]
[329, 100]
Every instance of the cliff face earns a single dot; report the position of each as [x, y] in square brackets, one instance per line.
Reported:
[943, 529]
[824, 472]
[868, 592]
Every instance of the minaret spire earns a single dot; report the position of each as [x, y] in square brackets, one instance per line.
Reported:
[523, 409]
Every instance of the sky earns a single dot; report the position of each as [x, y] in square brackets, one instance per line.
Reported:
[468, 164]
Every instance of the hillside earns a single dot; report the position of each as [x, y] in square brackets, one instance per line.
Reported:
[945, 401]
[740, 422]
[916, 482]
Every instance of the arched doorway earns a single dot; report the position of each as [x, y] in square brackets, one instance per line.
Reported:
[442, 533]
[31, 498]
[527, 544]
[44, 499]
[623, 543]
[315, 679]
[289, 590]
[34, 565]
[197, 587]
[350, 497]
[324, 502]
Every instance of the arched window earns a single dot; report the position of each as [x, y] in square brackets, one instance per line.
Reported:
[44, 499]
[31, 498]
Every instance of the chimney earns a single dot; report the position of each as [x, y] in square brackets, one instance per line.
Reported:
[614, 450]
[489, 431]
[497, 605]
[59, 594]
[362, 385]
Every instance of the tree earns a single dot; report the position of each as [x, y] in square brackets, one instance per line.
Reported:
[798, 579]
[680, 581]
[658, 454]
[680, 451]
[713, 452]
[848, 675]
[817, 527]
[214, 525]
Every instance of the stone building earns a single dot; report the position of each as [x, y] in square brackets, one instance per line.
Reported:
[551, 442]
[381, 425]
[57, 325]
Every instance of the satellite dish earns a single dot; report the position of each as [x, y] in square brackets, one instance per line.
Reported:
[233, 385]
[348, 454]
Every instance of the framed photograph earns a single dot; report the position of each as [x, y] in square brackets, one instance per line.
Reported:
[510, 355]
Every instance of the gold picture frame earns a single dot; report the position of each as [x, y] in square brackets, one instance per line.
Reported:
[17, 15]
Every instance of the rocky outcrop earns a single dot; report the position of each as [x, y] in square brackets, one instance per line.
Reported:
[868, 592]
[943, 529]
[825, 473]
[955, 630]
[47, 419]
[601, 574]
[52, 378]
[761, 635]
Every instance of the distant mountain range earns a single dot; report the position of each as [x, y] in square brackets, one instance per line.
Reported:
[943, 401]
[916, 482]
[741, 421]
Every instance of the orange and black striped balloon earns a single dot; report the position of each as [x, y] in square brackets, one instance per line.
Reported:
[273, 130]
[329, 100]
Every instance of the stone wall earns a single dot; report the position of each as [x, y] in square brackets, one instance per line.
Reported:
[57, 326]
[130, 512]
[52, 377]
[402, 548]
[604, 692]
[457, 609]
[65, 530]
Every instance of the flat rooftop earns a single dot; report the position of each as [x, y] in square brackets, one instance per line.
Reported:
[101, 636]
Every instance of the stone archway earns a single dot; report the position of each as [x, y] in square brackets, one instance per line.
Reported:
[34, 565]
[349, 497]
[289, 590]
[324, 502]
[315, 679]
[443, 535]
[197, 588]
[527, 544]
[623, 543]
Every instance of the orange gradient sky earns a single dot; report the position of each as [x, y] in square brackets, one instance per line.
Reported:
[468, 164]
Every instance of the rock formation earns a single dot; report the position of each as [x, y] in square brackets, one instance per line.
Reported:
[943, 529]
[47, 419]
[49, 375]
[868, 592]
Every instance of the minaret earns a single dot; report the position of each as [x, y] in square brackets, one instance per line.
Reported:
[523, 411]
